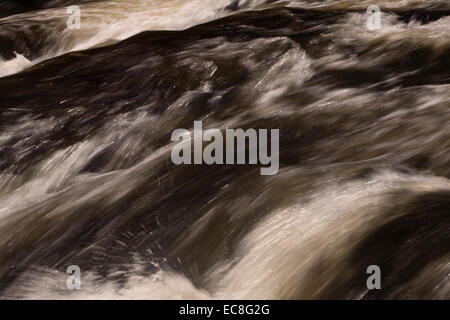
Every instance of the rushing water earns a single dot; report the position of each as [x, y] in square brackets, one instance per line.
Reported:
[86, 176]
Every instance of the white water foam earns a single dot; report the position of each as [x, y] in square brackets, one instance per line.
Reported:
[273, 261]
[13, 66]
[111, 21]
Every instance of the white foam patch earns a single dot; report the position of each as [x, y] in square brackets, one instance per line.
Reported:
[354, 28]
[14, 65]
[47, 284]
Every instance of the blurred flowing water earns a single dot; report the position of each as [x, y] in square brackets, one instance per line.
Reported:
[86, 178]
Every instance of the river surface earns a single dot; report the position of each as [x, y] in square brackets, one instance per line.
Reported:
[86, 177]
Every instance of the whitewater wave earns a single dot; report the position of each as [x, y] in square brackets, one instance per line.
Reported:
[270, 263]
[102, 23]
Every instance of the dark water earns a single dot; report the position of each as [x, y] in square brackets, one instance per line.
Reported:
[86, 179]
